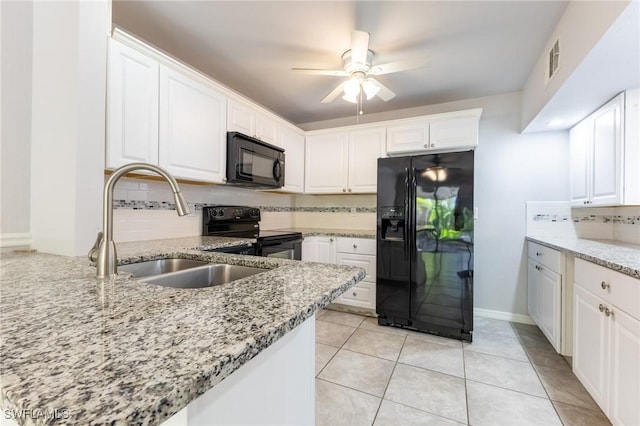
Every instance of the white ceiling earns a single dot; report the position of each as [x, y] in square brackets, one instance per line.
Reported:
[477, 48]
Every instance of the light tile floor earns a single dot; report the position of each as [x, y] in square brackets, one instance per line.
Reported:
[367, 374]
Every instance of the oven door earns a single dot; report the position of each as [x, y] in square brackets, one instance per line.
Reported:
[281, 250]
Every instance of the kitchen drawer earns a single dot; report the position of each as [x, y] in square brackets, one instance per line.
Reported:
[613, 287]
[356, 245]
[365, 261]
[545, 256]
[362, 295]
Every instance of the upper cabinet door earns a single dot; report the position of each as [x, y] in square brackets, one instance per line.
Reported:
[132, 99]
[408, 137]
[192, 127]
[241, 118]
[326, 163]
[607, 175]
[580, 155]
[365, 147]
[293, 143]
[267, 129]
[453, 133]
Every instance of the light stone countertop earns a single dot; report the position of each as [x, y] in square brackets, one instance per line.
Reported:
[352, 233]
[617, 255]
[128, 352]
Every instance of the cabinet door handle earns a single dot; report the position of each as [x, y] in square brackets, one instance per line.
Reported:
[355, 294]
[344, 190]
[330, 240]
[601, 307]
[349, 189]
[355, 246]
[605, 285]
[608, 312]
[538, 253]
[426, 145]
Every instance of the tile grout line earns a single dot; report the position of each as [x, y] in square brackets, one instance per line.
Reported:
[395, 364]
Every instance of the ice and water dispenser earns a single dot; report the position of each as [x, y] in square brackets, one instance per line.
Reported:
[392, 223]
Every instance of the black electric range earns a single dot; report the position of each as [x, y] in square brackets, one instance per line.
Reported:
[244, 222]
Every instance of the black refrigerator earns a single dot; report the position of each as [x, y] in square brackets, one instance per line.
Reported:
[425, 219]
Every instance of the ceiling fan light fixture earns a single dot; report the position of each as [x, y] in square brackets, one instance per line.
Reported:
[370, 88]
[353, 99]
[352, 87]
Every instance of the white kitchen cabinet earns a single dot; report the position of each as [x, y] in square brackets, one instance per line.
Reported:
[545, 278]
[292, 141]
[246, 119]
[365, 147]
[132, 98]
[607, 339]
[319, 249]
[434, 133]
[604, 155]
[164, 115]
[343, 161]
[360, 252]
[408, 136]
[192, 127]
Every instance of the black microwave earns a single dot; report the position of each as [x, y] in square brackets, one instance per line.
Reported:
[253, 163]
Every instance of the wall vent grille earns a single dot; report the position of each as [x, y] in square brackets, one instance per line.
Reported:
[554, 60]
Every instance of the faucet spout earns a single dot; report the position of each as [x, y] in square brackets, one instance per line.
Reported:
[105, 253]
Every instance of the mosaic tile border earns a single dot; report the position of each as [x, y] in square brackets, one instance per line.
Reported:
[592, 218]
[166, 205]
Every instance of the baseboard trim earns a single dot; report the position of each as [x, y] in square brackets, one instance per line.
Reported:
[15, 239]
[505, 316]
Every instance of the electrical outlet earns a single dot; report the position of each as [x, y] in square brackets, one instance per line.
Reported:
[353, 211]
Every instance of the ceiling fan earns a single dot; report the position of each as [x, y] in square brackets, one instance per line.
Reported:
[359, 67]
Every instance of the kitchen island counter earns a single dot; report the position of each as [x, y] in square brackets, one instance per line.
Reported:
[130, 352]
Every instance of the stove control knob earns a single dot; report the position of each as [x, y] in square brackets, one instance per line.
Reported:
[254, 213]
[220, 212]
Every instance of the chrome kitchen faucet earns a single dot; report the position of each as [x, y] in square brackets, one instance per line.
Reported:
[103, 251]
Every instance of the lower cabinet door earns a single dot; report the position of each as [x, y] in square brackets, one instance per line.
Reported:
[624, 371]
[590, 345]
[362, 295]
[549, 298]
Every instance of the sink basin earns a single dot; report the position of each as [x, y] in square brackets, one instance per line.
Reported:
[204, 276]
[160, 266]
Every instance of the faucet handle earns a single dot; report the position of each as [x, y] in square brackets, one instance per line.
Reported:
[93, 253]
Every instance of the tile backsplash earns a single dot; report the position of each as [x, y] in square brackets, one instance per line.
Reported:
[144, 210]
[560, 220]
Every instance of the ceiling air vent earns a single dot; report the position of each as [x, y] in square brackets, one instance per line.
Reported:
[554, 60]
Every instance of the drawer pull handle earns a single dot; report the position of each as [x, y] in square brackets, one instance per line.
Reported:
[355, 294]
[330, 240]
[538, 253]
[601, 307]
[605, 285]
[355, 246]
[608, 312]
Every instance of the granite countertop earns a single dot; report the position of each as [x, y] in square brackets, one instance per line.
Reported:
[353, 233]
[128, 352]
[617, 255]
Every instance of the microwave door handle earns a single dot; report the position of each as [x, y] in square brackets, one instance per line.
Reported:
[277, 170]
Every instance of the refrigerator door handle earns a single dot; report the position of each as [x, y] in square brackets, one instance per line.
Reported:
[412, 215]
[407, 197]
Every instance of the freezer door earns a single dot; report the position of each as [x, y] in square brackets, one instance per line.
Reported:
[393, 263]
[441, 206]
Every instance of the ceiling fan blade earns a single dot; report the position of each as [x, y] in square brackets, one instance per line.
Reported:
[359, 46]
[391, 67]
[335, 73]
[334, 94]
[385, 93]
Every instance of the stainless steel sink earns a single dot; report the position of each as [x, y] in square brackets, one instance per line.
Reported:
[160, 266]
[204, 276]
